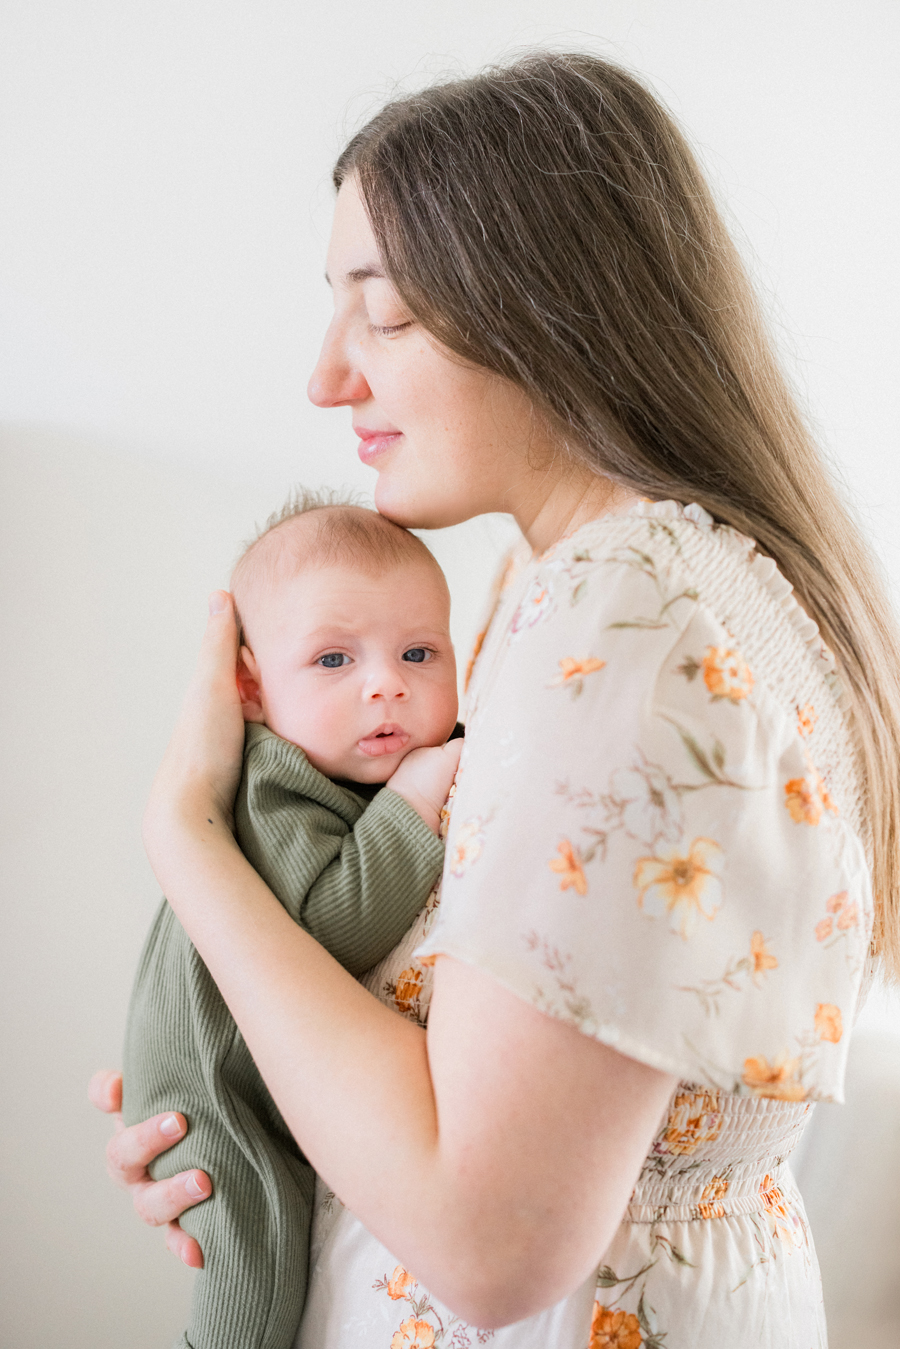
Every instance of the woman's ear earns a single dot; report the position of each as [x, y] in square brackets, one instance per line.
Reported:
[247, 676]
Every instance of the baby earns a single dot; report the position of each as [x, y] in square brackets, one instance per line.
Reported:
[346, 677]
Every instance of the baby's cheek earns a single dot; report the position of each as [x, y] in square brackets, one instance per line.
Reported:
[443, 712]
[297, 711]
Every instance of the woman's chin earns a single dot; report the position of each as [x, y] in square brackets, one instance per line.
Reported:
[418, 510]
[400, 507]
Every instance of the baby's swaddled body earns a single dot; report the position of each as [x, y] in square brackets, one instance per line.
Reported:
[348, 685]
[352, 873]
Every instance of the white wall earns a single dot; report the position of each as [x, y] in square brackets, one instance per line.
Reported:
[164, 202]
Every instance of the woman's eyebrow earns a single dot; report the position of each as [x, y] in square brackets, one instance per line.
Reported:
[360, 274]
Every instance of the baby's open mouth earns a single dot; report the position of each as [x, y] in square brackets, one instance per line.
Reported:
[385, 739]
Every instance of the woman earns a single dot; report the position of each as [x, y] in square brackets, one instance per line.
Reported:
[674, 804]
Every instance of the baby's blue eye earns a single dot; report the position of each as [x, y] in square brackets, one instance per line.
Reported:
[417, 654]
[334, 660]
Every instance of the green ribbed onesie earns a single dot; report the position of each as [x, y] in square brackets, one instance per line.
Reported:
[353, 873]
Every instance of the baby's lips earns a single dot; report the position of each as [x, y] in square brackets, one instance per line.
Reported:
[390, 743]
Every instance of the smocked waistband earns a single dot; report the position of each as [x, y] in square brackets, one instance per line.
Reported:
[704, 1193]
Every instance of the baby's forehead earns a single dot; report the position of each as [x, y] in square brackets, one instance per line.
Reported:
[349, 590]
[335, 568]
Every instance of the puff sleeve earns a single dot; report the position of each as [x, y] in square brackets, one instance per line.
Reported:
[641, 842]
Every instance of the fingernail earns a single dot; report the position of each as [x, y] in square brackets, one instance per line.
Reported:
[193, 1187]
[170, 1126]
[217, 602]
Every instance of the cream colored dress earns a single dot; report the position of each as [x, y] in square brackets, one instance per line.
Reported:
[656, 837]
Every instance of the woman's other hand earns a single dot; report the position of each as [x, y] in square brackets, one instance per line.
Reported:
[128, 1156]
[197, 780]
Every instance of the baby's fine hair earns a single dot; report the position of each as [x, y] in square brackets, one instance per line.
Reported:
[345, 531]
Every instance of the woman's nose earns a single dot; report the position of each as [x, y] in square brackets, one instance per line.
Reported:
[336, 380]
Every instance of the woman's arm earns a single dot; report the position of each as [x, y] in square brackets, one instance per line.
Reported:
[493, 1157]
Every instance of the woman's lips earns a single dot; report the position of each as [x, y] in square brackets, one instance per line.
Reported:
[387, 739]
[374, 443]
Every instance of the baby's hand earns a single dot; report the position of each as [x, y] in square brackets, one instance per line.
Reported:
[424, 778]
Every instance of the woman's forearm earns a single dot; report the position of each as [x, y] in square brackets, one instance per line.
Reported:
[493, 1159]
[335, 1059]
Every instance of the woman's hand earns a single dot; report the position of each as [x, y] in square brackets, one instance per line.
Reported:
[129, 1154]
[197, 780]
[193, 790]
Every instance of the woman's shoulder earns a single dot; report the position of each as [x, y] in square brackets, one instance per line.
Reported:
[678, 556]
[659, 598]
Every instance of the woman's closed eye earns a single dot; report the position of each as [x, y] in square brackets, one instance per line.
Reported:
[382, 302]
[333, 660]
[390, 329]
[418, 655]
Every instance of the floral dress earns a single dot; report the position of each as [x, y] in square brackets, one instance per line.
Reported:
[657, 837]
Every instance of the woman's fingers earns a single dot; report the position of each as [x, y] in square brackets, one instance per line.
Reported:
[185, 1247]
[105, 1091]
[218, 657]
[130, 1151]
[162, 1201]
[201, 768]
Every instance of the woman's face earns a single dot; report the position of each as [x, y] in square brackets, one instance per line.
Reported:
[447, 440]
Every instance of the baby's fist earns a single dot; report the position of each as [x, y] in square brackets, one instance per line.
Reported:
[424, 779]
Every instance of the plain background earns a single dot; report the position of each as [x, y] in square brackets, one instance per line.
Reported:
[164, 206]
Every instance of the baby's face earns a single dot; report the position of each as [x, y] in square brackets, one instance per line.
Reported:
[357, 670]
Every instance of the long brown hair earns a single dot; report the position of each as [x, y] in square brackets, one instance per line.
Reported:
[548, 221]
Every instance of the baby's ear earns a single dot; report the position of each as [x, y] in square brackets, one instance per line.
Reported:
[248, 687]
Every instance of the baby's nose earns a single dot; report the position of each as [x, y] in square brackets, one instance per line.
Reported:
[387, 684]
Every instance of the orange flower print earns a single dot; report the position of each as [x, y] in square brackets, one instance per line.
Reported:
[695, 1117]
[802, 800]
[806, 798]
[824, 929]
[568, 864]
[684, 889]
[841, 916]
[829, 1022]
[476, 652]
[778, 1081]
[407, 993]
[784, 1224]
[761, 957]
[467, 846]
[715, 1190]
[413, 1334]
[848, 917]
[572, 673]
[535, 606]
[614, 1329]
[444, 824]
[806, 719]
[726, 674]
[399, 1283]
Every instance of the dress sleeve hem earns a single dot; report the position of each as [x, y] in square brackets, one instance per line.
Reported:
[686, 1070]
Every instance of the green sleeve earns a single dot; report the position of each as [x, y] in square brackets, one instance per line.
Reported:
[353, 875]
